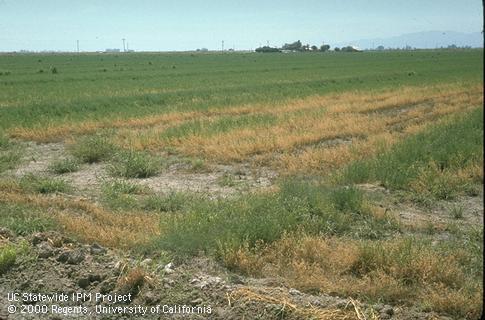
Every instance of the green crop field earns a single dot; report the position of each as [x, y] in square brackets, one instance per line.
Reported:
[95, 87]
[358, 175]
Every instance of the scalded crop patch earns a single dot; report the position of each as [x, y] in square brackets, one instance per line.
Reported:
[373, 116]
[297, 132]
[302, 133]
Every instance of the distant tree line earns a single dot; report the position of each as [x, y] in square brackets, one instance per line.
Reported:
[407, 47]
[347, 49]
[296, 46]
[267, 49]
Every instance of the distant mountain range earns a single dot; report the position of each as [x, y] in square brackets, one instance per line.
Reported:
[422, 40]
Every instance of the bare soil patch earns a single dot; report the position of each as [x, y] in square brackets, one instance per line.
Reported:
[470, 209]
[214, 181]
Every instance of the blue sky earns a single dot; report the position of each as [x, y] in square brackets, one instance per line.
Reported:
[185, 25]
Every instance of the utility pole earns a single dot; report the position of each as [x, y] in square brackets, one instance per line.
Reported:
[77, 42]
[124, 48]
[267, 43]
[222, 46]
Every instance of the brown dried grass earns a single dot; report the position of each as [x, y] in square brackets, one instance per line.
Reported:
[390, 271]
[257, 295]
[89, 222]
[349, 115]
[132, 281]
[314, 134]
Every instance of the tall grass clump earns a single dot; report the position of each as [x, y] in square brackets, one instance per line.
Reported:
[40, 184]
[10, 154]
[456, 211]
[9, 159]
[92, 149]
[9, 253]
[225, 224]
[120, 194]
[212, 227]
[122, 186]
[172, 202]
[198, 165]
[348, 199]
[23, 219]
[439, 162]
[64, 166]
[135, 164]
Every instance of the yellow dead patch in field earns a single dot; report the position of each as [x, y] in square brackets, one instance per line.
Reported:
[242, 143]
[393, 271]
[310, 133]
[342, 101]
[315, 158]
[349, 116]
[61, 132]
[258, 295]
[90, 223]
